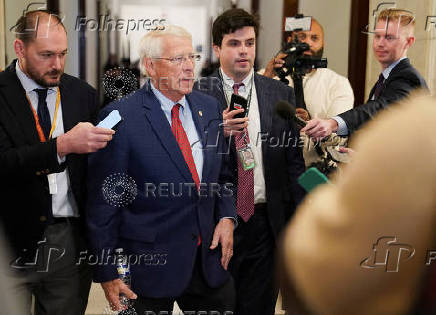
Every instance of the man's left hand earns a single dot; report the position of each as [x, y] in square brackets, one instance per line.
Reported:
[224, 235]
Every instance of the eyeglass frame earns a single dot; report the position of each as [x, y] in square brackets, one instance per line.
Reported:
[179, 60]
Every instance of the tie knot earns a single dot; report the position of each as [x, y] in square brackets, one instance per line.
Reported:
[175, 110]
[42, 93]
[381, 78]
[236, 87]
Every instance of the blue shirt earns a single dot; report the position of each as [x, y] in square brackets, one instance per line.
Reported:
[342, 125]
[185, 116]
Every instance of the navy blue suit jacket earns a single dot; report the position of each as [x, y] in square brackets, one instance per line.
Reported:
[160, 230]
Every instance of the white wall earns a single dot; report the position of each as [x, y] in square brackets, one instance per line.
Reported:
[271, 28]
[2, 35]
[70, 8]
[91, 46]
[334, 16]
[13, 10]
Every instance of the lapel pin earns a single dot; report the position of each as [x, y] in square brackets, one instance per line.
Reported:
[200, 113]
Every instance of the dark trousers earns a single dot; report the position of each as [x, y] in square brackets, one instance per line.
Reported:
[252, 265]
[54, 277]
[198, 298]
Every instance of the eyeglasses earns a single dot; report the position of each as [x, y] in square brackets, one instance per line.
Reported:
[178, 60]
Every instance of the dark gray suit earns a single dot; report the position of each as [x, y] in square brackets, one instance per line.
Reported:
[253, 262]
[401, 81]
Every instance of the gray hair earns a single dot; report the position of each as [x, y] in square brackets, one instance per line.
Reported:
[151, 43]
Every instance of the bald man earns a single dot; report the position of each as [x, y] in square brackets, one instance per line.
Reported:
[326, 93]
[45, 133]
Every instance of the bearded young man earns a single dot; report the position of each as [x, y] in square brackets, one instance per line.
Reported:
[45, 133]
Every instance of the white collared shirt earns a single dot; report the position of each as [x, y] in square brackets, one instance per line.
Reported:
[63, 202]
[253, 129]
[185, 115]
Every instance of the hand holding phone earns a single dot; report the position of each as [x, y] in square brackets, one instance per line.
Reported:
[238, 102]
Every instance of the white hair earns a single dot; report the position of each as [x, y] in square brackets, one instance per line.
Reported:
[151, 43]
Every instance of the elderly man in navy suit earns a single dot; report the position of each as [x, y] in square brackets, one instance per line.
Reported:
[170, 145]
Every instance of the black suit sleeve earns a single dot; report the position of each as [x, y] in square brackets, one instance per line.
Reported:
[295, 165]
[397, 87]
[27, 159]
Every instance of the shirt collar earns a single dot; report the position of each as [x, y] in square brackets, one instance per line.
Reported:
[29, 84]
[229, 81]
[386, 72]
[165, 101]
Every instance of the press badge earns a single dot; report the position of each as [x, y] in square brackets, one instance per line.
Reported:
[246, 157]
[52, 185]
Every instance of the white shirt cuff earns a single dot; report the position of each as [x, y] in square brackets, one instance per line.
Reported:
[61, 159]
[342, 126]
[235, 221]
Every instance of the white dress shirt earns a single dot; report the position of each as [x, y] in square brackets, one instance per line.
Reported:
[63, 202]
[253, 129]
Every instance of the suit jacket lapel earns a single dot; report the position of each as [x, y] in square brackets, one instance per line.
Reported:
[202, 126]
[162, 129]
[400, 66]
[70, 114]
[15, 98]
[371, 93]
[263, 97]
[217, 88]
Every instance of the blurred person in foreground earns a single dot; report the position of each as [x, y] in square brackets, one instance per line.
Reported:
[365, 245]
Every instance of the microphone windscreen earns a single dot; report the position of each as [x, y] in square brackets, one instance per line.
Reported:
[285, 110]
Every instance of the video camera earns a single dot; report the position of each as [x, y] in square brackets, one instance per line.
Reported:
[296, 64]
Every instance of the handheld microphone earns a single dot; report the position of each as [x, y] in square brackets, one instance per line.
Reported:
[288, 112]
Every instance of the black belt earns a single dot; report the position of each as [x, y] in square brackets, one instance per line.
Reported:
[260, 207]
[67, 220]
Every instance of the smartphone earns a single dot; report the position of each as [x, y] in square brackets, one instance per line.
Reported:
[312, 178]
[111, 120]
[238, 102]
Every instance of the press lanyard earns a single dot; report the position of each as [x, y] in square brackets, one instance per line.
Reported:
[53, 125]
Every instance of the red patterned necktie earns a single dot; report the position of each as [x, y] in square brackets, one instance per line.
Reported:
[185, 147]
[182, 140]
[245, 200]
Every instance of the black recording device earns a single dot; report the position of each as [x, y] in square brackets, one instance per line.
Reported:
[296, 64]
[238, 102]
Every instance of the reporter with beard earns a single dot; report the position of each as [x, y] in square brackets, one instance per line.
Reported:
[326, 93]
[45, 133]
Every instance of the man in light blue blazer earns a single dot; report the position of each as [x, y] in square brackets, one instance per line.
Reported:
[161, 189]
